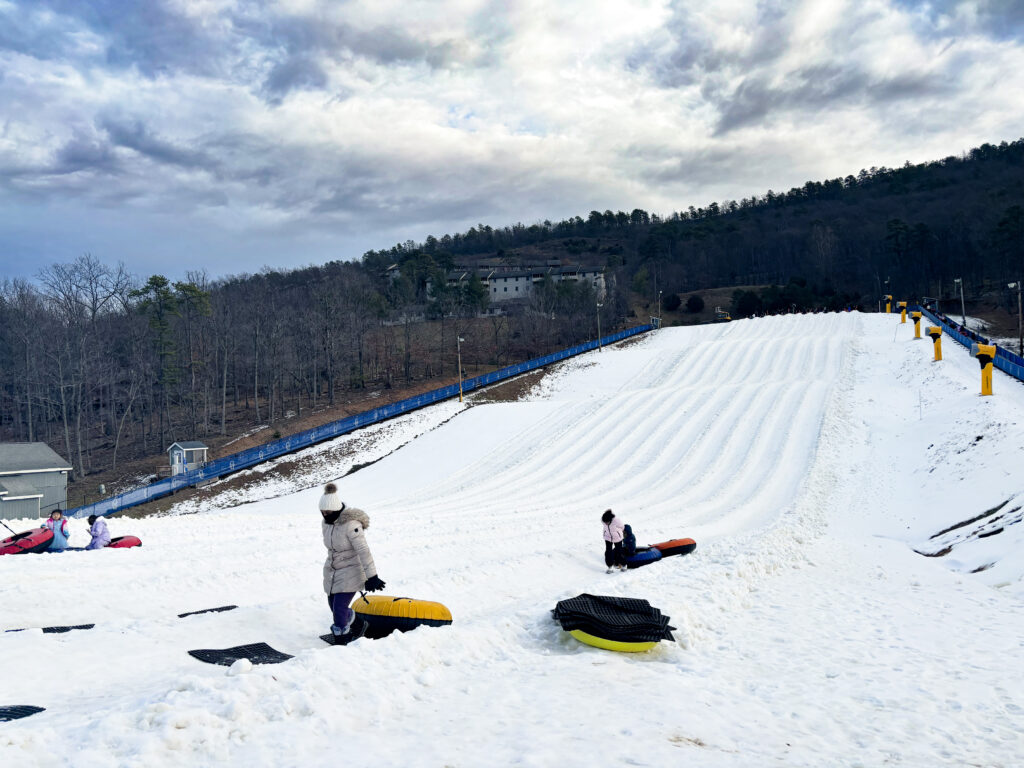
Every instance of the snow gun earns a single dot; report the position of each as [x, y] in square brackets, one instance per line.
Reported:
[902, 307]
[985, 353]
[936, 335]
[916, 317]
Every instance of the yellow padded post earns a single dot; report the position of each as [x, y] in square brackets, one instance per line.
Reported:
[902, 307]
[888, 303]
[985, 353]
[916, 317]
[936, 333]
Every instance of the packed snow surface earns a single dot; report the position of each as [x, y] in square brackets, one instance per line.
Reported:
[839, 609]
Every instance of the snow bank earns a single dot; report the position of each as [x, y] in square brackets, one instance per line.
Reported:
[810, 456]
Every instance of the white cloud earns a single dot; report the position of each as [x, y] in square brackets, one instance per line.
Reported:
[363, 120]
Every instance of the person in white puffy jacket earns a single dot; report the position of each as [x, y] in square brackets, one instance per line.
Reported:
[349, 567]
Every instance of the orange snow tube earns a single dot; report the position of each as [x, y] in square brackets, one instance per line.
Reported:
[676, 547]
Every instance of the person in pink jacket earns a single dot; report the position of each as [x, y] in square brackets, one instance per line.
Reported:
[614, 530]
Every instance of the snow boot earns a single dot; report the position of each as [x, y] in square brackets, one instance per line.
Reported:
[356, 629]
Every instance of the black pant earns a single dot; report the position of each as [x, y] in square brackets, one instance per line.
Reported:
[613, 553]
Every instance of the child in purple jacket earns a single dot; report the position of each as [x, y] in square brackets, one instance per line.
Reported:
[99, 532]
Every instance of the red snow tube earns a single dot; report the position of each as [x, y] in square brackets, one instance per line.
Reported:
[123, 542]
[676, 547]
[36, 540]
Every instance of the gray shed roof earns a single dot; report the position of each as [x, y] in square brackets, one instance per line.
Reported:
[189, 445]
[14, 488]
[16, 458]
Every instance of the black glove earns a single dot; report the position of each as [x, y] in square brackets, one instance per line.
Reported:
[373, 584]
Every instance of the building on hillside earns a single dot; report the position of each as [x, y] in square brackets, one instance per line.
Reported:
[33, 480]
[511, 283]
[187, 456]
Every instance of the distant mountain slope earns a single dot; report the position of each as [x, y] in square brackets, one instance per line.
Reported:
[919, 225]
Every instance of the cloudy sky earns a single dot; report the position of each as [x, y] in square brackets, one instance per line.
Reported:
[227, 135]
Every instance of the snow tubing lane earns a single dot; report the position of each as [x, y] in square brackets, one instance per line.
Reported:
[29, 542]
[641, 559]
[612, 645]
[384, 614]
[676, 547]
[123, 542]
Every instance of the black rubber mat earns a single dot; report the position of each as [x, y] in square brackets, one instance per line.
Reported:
[56, 630]
[208, 610]
[257, 653]
[60, 630]
[613, 618]
[16, 713]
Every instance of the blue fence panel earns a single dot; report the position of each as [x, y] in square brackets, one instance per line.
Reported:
[1005, 360]
[276, 448]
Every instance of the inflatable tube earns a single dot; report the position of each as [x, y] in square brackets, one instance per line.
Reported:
[612, 645]
[641, 559]
[676, 547]
[29, 542]
[384, 614]
[123, 542]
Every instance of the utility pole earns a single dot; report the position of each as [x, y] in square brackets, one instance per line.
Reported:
[599, 305]
[458, 345]
[963, 312]
[1020, 327]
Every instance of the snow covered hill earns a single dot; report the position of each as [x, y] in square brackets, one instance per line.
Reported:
[812, 457]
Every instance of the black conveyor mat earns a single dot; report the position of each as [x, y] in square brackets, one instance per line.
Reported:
[18, 712]
[219, 609]
[257, 653]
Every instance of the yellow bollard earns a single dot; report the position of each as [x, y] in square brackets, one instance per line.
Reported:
[936, 333]
[888, 303]
[916, 317]
[902, 307]
[985, 353]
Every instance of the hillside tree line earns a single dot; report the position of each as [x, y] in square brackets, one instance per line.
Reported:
[96, 361]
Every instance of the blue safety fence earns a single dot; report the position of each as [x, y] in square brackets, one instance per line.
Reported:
[1005, 360]
[272, 450]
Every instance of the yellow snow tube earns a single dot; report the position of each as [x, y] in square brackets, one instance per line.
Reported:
[385, 614]
[612, 645]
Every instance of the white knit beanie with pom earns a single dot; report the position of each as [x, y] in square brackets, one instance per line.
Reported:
[330, 501]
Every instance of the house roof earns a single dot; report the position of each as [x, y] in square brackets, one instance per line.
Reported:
[490, 273]
[188, 445]
[12, 488]
[16, 458]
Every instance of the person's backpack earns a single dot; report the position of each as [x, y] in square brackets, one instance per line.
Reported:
[628, 541]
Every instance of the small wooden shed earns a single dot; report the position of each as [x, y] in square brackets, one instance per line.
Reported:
[187, 456]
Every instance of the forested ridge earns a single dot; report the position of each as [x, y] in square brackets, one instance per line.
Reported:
[108, 367]
[918, 225]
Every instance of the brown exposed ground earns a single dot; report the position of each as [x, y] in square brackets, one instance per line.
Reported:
[240, 436]
[509, 391]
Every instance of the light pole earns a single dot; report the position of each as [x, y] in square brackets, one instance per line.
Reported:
[599, 305]
[1020, 328]
[458, 344]
[963, 312]
[659, 309]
